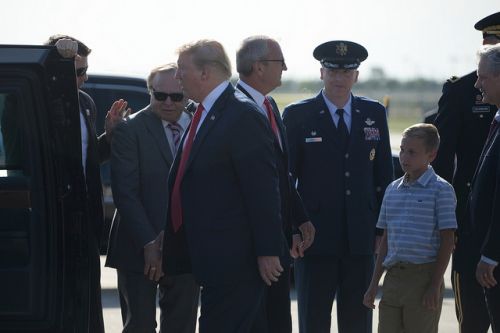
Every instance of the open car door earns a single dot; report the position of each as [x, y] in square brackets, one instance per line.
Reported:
[43, 237]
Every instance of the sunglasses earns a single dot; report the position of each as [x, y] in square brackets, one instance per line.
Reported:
[174, 97]
[81, 71]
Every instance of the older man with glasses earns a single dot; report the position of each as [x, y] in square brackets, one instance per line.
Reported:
[142, 153]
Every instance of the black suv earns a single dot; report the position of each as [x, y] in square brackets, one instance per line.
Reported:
[44, 263]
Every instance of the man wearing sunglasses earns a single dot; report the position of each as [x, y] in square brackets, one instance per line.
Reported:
[142, 152]
[95, 150]
[260, 63]
[463, 121]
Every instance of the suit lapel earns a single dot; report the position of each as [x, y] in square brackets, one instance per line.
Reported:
[325, 122]
[356, 125]
[155, 127]
[277, 117]
[210, 120]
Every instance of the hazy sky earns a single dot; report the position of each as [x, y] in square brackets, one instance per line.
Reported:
[427, 38]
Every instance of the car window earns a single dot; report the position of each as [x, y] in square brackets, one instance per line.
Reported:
[11, 135]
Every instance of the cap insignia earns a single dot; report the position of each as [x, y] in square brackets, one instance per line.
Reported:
[341, 49]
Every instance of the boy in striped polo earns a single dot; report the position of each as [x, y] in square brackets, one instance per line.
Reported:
[418, 218]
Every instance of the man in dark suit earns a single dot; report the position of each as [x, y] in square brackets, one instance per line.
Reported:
[260, 63]
[143, 149]
[485, 194]
[463, 121]
[224, 212]
[341, 157]
[95, 150]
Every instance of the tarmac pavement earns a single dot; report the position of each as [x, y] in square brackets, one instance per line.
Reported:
[113, 323]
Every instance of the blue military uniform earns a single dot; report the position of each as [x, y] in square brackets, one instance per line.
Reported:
[342, 189]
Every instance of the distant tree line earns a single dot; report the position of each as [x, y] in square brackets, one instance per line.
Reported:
[377, 81]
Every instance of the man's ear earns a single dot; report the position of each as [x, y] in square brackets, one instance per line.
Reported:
[205, 73]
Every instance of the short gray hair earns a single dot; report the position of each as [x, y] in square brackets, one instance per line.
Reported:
[170, 67]
[490, 54]
[252, 49]
[208, 52]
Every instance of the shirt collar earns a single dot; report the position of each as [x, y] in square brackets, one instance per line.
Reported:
[333, 108]
[256, 95]
[209, 101]
[183, 121]
[423, 180]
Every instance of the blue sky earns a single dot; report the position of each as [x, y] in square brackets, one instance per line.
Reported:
[425, 38]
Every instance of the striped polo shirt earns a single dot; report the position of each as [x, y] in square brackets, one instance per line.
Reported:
[413, 214]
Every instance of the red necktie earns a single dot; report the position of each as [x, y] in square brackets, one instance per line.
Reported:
[175, 199]
[272, 120]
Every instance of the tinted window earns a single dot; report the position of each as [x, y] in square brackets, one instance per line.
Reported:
[11, 135]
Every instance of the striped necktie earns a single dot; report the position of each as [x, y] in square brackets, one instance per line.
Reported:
[175, 129]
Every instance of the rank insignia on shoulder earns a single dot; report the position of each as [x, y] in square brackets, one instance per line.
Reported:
[453, 79]
[369, 122]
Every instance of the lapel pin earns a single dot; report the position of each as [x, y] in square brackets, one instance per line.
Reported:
[87, 111]
[322, 112]
[357, 111]
[212, 118]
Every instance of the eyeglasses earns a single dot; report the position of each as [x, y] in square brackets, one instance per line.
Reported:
[283, 64]
[174, 97]
[81, 71]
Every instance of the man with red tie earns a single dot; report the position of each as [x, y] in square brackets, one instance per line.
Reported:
[484, 204]
[260, 63]
[224, 219]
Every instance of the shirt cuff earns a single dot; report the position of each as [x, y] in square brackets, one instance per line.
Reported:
[489, 261]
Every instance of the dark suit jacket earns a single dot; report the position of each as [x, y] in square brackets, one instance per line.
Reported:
[140, 161]
[339, 187]
[293, 212]
[230, 196]
[463, 122]
[485, 200]
[98, 151]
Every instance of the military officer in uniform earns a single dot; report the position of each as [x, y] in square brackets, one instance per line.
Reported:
[340, 156]
[463, 122]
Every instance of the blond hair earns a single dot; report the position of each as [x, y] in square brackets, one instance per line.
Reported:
[428, 133]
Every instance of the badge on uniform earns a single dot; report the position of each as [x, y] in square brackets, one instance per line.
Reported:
[372, 154]
[371, 134]
[369, 122]
[316, 139]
